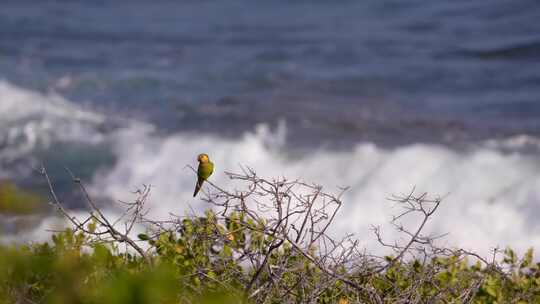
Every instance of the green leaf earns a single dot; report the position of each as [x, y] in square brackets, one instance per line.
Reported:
[527, 258]
[143, 237]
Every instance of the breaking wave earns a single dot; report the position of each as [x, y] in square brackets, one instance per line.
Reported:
[31, 121]
[491, 189]
[491, 197]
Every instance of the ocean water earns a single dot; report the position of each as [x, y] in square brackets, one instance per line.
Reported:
[380, 96]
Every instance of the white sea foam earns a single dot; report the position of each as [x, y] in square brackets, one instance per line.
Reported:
[491, 196]
[30, 120]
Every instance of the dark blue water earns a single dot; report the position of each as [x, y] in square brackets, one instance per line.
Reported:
[381, 96]
[335, 71]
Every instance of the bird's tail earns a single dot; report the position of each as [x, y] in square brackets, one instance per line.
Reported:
[198, 186]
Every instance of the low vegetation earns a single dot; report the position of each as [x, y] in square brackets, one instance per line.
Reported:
[266, 243]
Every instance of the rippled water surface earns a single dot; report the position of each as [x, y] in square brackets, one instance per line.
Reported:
[377, 95]
[386, 71]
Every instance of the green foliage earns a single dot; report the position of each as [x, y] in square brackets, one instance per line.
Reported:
[199, 263]
[68, 272]
[14, 200]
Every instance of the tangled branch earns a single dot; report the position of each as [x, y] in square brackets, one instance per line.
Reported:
[277, 233]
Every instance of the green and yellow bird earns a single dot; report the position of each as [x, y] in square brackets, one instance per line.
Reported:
[206, 167]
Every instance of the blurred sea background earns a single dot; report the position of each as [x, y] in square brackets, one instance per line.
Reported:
[381, 96]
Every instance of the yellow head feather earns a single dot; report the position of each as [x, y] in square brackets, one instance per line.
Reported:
[203, 158]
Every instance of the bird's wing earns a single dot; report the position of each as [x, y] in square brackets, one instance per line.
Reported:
[205, 170]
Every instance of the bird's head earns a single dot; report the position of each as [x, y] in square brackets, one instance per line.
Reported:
[203, 158]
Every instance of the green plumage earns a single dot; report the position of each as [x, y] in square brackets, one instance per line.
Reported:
[203, 172]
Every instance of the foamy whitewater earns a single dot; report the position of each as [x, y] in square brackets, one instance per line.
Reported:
[491, 190]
